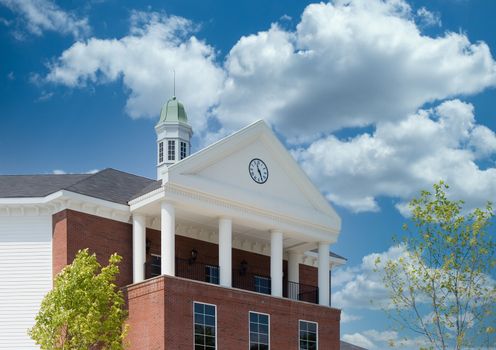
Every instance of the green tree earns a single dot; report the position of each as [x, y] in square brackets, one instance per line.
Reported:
[441, 288]
[84, 310]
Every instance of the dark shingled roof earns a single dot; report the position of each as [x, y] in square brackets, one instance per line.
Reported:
[347, 346]
[109, 184]
[151, 187]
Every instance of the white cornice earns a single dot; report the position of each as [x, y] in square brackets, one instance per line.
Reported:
[239, 210]
[62, 200]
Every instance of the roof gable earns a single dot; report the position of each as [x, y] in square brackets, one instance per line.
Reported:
[222, 170]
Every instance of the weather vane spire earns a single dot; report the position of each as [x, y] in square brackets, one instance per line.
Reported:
[174, 71]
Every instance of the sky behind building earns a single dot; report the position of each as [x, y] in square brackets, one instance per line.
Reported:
[375, 99]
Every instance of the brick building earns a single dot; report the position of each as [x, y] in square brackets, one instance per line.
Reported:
[228, 249]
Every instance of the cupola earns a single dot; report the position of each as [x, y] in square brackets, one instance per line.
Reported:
[173, 135]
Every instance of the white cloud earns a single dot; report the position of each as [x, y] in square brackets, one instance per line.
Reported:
[428, 18]
[351, 63]
[347, 318]
[361, 287]
[63, 172]
[38, 16]
[347, 64]
[373, 339]
[144, 60]
[401, 157]
[359, 340]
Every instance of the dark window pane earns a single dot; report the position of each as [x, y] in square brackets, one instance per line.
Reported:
[312, 327]
[199, 329]
[209, 330]
[253, 317]
[199, 340]
[210, 310]
[199, 308]
[263, 328]
[210, 320]
[199, 318]
[210, 341]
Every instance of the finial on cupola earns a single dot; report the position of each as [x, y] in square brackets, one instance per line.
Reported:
[173, 133]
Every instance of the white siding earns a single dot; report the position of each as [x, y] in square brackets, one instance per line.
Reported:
[25, 276]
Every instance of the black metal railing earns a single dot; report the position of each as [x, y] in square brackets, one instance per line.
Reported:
[302, 292]
[197, 271]
[240, 279]
[249, 281]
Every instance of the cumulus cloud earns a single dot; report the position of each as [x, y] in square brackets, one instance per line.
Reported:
[428, 18]
[347, 64]
[347, 318]
[38, 16]
[361, 287]
[373, 339]
[63, 172]
[144, 60]
[401, 157]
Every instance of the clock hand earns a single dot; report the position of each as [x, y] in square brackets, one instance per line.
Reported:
[259, 172]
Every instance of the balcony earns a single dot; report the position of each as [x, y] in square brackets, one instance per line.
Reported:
[241, 279]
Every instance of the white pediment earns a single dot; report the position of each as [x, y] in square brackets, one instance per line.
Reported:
[221, 170]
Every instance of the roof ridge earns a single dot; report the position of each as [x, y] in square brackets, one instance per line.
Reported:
[86, 178]
[125, 172]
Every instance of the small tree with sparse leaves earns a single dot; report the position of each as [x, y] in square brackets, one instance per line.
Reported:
[84, 310]
[441, 289]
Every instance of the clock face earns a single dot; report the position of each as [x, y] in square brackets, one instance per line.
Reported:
[258, 171]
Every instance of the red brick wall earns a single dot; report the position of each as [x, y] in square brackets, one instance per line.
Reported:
[232, 316]
[74, 230]
[146, 316]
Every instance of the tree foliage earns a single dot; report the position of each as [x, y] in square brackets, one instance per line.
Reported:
[84, 310]
[441, 288]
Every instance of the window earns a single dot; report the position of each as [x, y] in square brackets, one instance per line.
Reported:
[183, 150]
[262, 284]
[156, 265]
[308, 335]
[160, 152]
[171, 150]
[259, 331]
[204, 326]
[212, 274]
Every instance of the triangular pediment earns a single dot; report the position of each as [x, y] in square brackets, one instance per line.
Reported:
[222, 170]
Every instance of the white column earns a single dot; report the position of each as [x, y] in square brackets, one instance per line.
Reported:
[225, 251]
[324, 273]
[168, 233]
[139, 247]
[276, 262]
[293, 274]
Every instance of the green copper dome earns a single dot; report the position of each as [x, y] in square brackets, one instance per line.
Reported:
[173, 111]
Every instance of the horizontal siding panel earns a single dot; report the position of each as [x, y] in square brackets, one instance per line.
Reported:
[25, 275]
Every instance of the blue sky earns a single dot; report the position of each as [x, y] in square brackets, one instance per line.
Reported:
[376, 100]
